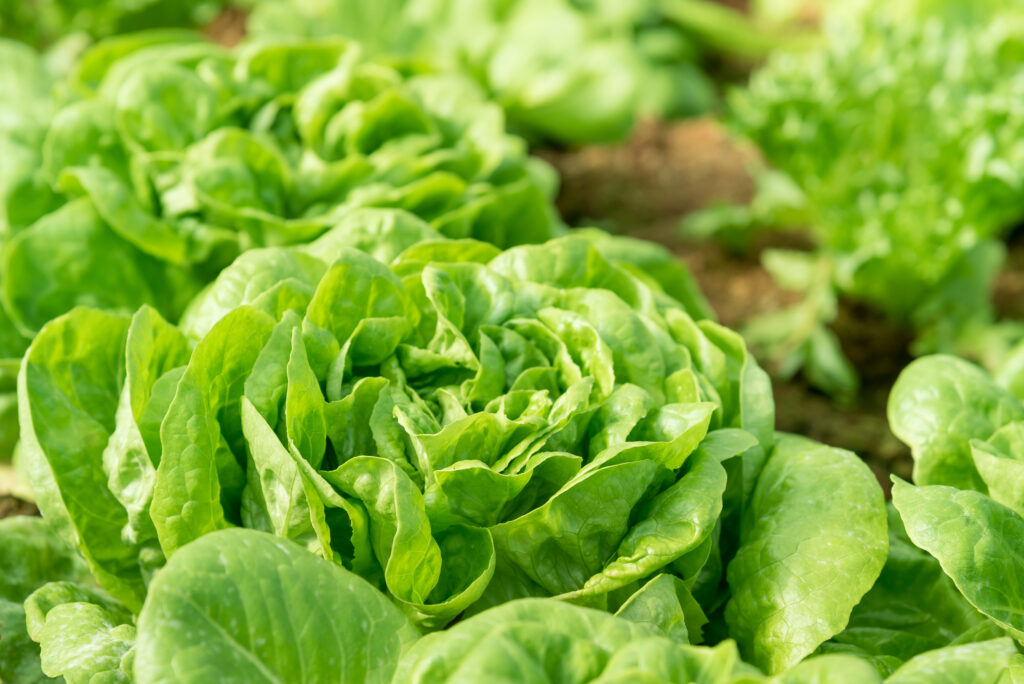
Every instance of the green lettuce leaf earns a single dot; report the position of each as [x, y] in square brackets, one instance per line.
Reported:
[246, 606]
[810, 501]
[33, 555]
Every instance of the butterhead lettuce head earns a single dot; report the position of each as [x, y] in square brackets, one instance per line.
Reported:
[460, 426]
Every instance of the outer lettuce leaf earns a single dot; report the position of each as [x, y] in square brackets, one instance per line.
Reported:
[84, 635]
[244, 606]
[914, 607]
[32, 556]
[970, 525]
[73, 374]
[95, 383]
[810, 501]
[937, 406]
[989, 661]
[973, 538]
[1000, 462]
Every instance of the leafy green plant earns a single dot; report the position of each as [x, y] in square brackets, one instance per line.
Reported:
[25, 84]
[242, 605]
[896, 144]
[461, 427]
[206, 617]
[32, 557]
[568, 71]
[951, 589]
[161, 157]
[42, 22]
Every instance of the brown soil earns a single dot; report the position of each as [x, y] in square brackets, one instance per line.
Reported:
[879, 350]
[667, 171]
[228, 27]
[664, 172]
[739, 5]
[1008, 290]
[11, 506]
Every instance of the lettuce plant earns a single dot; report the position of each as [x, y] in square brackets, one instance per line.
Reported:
[162, 157]
[174, 155]
[42, 22]
[206, 618]
[242, 605]
[33, 556]
[570, 71]
[25, 84]
[459, 426]
[897, 145]
[188, 633]
[951, 591]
